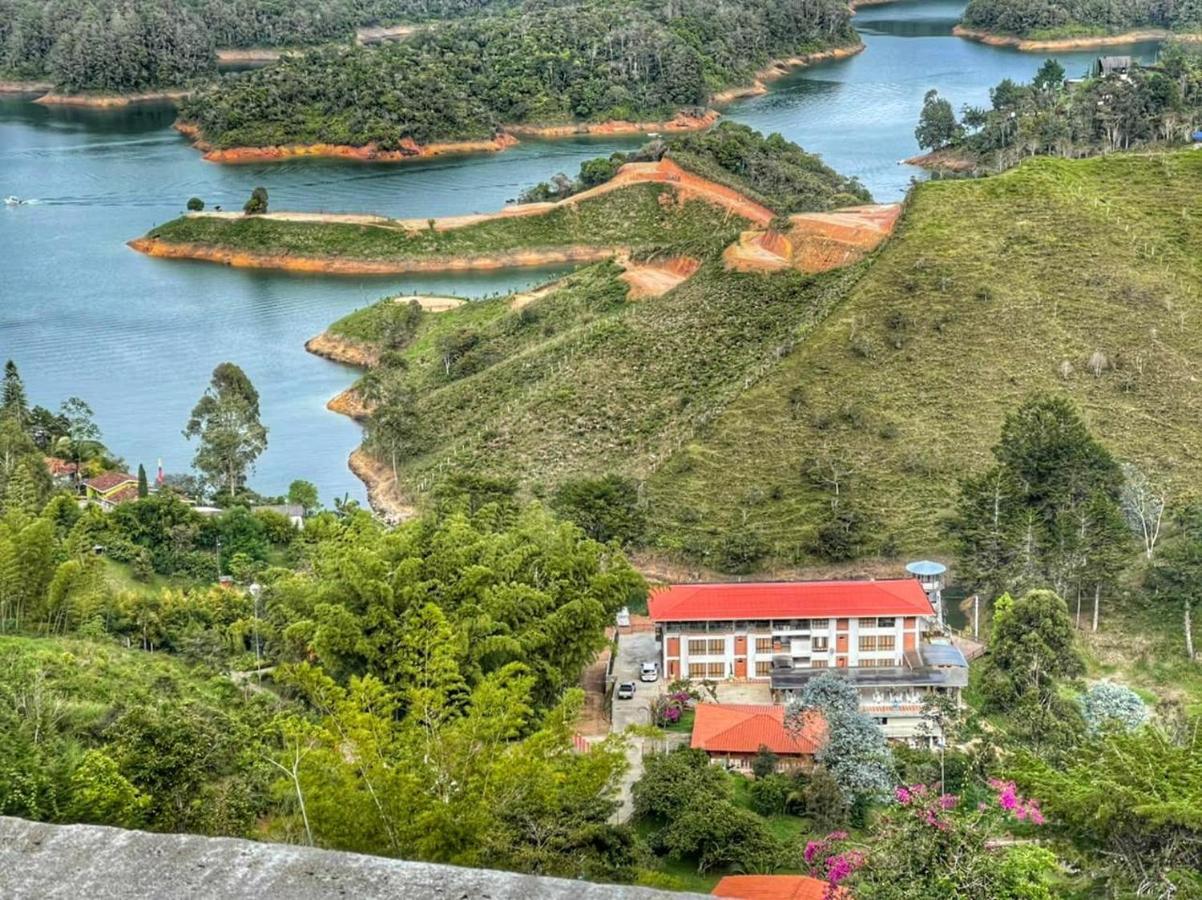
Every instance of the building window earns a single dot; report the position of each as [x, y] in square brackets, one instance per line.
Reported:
[763, 645]
[763, 669]
[886, 623]
[820, 643]
[886, 642]
[818, 663]
[867, 642]
[707, 647]
[715, 670]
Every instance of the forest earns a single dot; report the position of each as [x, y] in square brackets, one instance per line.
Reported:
[1068, 18]
[1147, 106]
[535, 64]
[130, 45]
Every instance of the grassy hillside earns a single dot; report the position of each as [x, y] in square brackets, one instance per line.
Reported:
[638, 215]
[1081, 277]
[583, 381]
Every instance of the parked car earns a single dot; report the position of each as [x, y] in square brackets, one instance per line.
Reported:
[649, 672]
[626, 690]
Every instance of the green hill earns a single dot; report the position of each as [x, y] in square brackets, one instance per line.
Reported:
[1081, 277]
[1049, 19]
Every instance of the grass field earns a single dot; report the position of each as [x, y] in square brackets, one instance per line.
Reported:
[989, 290]
[637, 216]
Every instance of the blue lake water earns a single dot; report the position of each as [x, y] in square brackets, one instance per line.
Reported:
[82, 314]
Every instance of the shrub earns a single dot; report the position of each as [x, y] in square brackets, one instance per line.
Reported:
[769, 795]
[257, 204]
[195, 204]
[606, 508]
[1112, 705]
[764, 763]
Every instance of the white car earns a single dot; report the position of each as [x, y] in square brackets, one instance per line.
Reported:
[649, 672]
[626, 690]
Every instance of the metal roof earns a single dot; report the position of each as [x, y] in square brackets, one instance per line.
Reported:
[926, 567]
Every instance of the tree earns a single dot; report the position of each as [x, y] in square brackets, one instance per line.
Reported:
[195, 204]
[825, 804]
[1129, 801]
[226, 422]
[304, 495]
[937, 125]
[1050, 76]
[1048, 511]
[100, 794]
[765, 762]
[1031, 650]
[143, 485]
[855, 752]
[257, 204]
[1177, 572]
[607, 508]
[674, 781]
[13, 402]
[83, 434]
[1144, 502]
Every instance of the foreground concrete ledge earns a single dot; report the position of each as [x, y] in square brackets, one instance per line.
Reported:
[91, 862]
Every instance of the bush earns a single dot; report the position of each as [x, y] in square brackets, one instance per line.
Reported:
[739, 551]
[764, 763]
[825, 804]
[195, 204]
[257, 204]
[1107, 705]
[769, 795]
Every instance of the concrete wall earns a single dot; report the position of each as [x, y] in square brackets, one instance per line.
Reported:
[89, 862]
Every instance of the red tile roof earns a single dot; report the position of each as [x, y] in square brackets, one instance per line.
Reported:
[776, 887]
[59, 467]
[109, 480]
[744, 728]
[789, 600]
[126, 494]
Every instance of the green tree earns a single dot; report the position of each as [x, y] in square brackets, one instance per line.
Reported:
[83, 434]
[825, 803]
[257, 203]
[937, 125]
[1176, 575]
[1050, 76]
[674, 781]
[1032, 649]
[226, 422]
[13, 402]
[195, 204]
[607, 508]
[143, 485]
[304, 495]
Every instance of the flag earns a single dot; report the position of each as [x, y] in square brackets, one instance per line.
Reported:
[158, 478]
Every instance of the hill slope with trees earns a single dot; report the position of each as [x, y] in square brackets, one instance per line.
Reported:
[1079, 277]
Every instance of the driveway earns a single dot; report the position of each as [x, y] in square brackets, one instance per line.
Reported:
[634, 649]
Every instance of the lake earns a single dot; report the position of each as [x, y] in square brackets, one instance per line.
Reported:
[81, 314]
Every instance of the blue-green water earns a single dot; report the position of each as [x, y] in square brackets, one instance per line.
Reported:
[82, 314]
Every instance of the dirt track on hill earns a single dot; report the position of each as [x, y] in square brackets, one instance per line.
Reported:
[815, 242]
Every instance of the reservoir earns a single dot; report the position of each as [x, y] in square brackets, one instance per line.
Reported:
[81, 314]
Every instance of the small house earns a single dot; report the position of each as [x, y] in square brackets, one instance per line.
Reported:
[1105, 66]
[732, 734]
[110, 489]
[62, 471]
[293, 512]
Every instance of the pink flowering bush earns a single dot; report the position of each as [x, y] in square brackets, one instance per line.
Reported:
[933, 845]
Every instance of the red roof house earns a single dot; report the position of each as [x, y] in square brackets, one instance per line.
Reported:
[777, 887]
[734, 733]
[788, 600]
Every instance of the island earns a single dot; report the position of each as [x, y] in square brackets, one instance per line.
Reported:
[1074, 24]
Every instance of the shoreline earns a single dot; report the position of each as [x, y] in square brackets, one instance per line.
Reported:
[506, 137]
[1082, 42]
[383, 495]
[341, 266]
[779, 68]
[18, 86]
[110, 101]
[942, 160]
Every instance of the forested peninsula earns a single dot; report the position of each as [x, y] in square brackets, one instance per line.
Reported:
[535, 64]
[1063, 24]
[124, 46]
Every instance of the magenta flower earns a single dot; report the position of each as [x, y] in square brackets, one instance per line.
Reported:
[948, 801]
[902, 795]
[837, 836]
[813, 848]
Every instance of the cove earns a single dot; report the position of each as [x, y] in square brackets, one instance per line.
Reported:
[82, 314]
